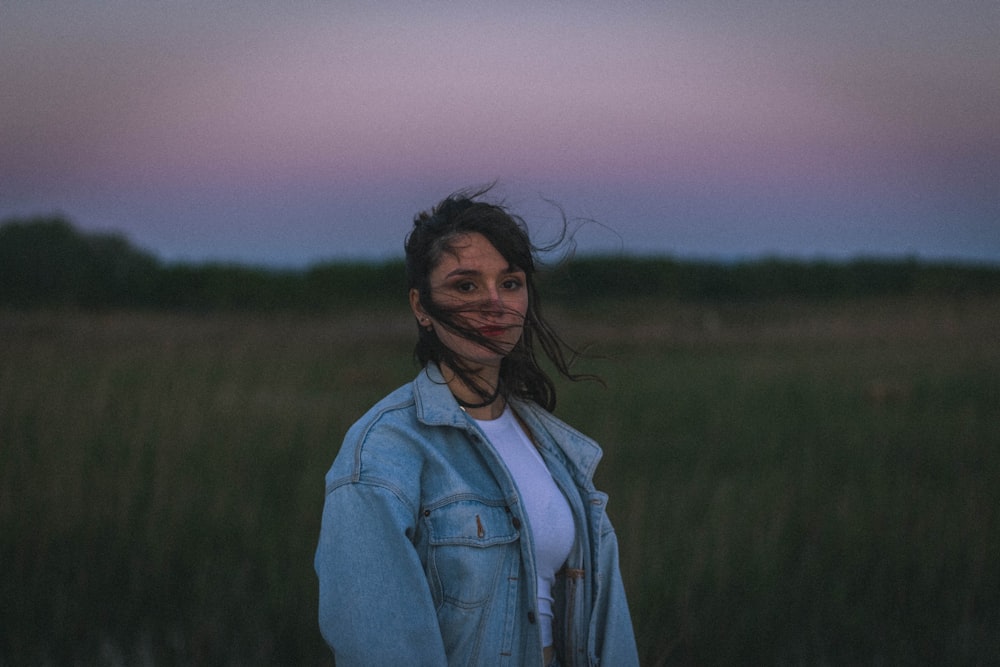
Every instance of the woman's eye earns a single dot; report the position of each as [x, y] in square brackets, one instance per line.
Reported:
[465, 287]
[512, 283]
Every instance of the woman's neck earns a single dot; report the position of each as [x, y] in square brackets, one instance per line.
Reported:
[473, 402]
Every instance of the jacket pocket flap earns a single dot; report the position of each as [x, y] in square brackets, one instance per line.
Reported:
[470, 523]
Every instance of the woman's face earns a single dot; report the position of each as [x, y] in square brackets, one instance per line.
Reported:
[484, 292]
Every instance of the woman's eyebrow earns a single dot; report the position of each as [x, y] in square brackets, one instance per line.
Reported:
[475, 272]
[462, 272]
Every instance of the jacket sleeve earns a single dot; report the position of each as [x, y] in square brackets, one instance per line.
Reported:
[612, 623]
[375, 605]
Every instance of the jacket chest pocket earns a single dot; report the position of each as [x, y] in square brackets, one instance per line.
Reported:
[470, 547]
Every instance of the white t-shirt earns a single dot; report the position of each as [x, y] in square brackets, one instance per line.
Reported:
[549, 514]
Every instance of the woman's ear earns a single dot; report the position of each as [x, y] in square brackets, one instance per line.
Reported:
[418, 310]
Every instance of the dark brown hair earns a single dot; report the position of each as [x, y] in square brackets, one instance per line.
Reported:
[433, 234]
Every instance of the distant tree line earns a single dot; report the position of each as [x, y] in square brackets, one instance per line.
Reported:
[770, 278]
[46, 262]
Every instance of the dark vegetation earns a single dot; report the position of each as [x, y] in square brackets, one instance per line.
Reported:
[791, 483]
[47, 262]
[802, 457]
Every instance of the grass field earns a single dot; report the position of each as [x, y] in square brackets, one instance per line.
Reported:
[792, 483]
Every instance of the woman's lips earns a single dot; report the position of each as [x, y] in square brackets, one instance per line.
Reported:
[492, 331]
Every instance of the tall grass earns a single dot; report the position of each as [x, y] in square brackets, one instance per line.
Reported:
[791, 483]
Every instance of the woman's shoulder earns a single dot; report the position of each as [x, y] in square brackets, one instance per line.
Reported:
[394, 445]
[385, 423]
[400, 400]
[393, 434]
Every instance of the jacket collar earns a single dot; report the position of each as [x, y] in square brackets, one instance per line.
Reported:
[436, 406]
[580, 454]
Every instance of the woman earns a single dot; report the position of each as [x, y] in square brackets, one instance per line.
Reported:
[461, 524]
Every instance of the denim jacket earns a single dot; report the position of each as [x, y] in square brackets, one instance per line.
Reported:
[425, 554]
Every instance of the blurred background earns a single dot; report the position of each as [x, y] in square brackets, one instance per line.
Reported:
[286, 134]
[787, 225]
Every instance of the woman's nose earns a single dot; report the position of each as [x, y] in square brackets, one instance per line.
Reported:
[494, 302]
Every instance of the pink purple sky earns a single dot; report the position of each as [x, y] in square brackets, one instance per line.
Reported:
[293, 132]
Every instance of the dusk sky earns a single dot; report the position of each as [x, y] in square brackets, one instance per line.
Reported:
[285, 133]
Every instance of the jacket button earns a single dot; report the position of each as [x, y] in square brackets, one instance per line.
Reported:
[516, 522]
[531, 617]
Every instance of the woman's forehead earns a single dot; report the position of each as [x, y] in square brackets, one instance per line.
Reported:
[471, 251]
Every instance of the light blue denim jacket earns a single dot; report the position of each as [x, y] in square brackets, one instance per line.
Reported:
[425, 554]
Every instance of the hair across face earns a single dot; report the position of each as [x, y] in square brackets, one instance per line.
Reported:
[484, 297]
[443, 235]
[434, 234]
